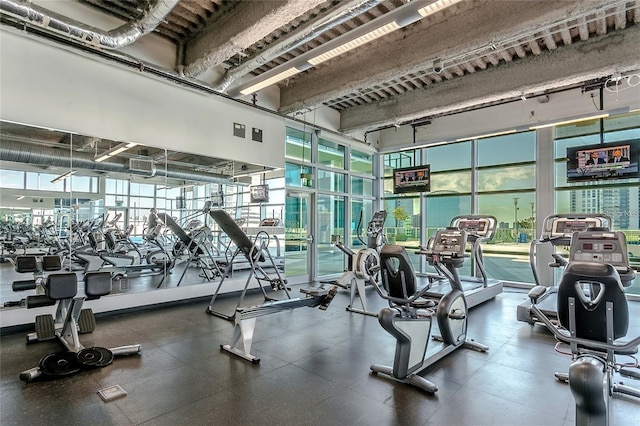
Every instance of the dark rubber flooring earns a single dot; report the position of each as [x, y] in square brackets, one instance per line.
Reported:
[314, 370]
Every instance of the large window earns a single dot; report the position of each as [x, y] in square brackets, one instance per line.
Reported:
[330, 218]
[402, 225]
[361, 186]
[11, 179]
[330, 154]
[618, 199]
[298, 175]
[298, 145]
[361, 162]
[338, 181]
[494, 176]
[331, 181]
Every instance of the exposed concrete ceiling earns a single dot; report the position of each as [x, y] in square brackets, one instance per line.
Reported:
[473, 53]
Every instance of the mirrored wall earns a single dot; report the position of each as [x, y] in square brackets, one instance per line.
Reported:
[119, 206]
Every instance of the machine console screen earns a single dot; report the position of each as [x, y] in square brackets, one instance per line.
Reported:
[474, 226]
[598, 247]
[451, 242]
[564, 227]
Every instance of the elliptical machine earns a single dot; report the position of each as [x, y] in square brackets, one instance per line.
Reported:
[556, 232]
[409, 316]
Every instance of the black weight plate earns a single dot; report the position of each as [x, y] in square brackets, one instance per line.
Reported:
[59, 364]
[90, 357]
[107, 356]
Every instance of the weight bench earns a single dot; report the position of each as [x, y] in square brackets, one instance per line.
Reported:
[30, 264]
[70, 320]
[255, 252]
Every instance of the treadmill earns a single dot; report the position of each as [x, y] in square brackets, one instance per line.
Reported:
[557, 231]
[477, 288]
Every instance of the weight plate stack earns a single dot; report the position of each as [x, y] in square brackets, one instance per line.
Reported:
[59, 364]
[95, 357]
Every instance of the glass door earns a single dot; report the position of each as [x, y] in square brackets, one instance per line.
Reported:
[299, 237]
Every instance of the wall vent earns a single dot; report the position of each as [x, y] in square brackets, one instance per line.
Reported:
[142, 166]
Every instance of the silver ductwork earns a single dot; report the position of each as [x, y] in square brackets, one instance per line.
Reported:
[341, 15]
[20, 152]
[114, 39]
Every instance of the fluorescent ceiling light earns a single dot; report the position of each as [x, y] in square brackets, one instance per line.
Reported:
[436, 6]
[569, 121]
[63, 176]
[115, 151]
[487, 135]
[392, 21]
[350, 45]
[269, 81]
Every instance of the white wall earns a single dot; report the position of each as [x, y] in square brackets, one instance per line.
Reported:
[51, 87]
[518, 115]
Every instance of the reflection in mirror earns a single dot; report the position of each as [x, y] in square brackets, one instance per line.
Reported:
[137, 211]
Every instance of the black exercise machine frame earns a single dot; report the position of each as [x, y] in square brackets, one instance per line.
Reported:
[255, 251]
[196, 247]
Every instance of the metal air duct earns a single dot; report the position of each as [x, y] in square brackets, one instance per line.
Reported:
[21, 152]
[114, 39]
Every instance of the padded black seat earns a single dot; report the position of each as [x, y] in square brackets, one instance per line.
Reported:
[591, 309]
[51, 263]
[26, 264]
[398, 276]
[61, 286]
[97, 284]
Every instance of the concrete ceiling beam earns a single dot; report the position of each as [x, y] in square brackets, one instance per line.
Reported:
[247, 24]
[616, 52]
[414, 48]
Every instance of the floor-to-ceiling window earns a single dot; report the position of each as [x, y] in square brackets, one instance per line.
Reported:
[497, 176]
[492, 176]
[331, 205]
[506, 189]
[336, 181]
[616, 196]
[402, 225]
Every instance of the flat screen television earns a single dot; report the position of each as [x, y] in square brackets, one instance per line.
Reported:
[612, 160]
[217, 199]
[259, 193]
[412, 179]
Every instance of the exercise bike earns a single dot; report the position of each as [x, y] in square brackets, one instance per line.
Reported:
[593, 313]
[409, 316]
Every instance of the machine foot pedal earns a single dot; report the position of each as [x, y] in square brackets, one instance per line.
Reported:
[86, 321]
[45, 327]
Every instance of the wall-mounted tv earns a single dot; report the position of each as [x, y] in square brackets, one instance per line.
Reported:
[217, 199]
[412, 179]
[612, 160]
[259, 193]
